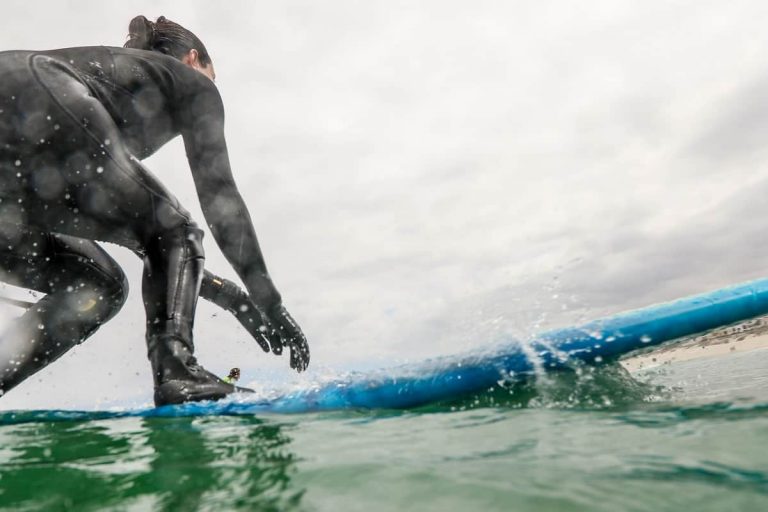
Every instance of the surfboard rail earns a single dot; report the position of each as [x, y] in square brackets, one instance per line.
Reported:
[597, 342]
[594, 343]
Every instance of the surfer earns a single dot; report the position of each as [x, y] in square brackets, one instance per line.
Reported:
[75, 124]
[233, 377]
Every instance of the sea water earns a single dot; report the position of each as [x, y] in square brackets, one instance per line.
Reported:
[690, 435]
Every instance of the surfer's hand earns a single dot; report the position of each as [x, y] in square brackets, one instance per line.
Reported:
[250, 318]
[264, 330]
[273, 331]
[289, 333]
[266, 319]
[230, 297]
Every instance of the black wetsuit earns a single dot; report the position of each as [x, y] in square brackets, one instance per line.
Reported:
[74, 125]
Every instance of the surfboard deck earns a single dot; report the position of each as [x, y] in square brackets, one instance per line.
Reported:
[595, 343]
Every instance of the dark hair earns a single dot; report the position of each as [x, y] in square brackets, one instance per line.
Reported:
[234, 371]
[166, 37]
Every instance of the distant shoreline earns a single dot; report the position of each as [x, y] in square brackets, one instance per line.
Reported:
[742, 337]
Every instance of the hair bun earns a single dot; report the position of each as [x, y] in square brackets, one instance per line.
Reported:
[166, 37]
[141, 34]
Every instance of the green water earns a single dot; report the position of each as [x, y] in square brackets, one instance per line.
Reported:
[695, 437]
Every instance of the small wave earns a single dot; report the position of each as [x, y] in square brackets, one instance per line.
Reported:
[666, 414]
[590, 388]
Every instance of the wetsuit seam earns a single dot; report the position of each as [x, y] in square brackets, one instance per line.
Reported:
[179, 278]
[93, 137]
[113, 67]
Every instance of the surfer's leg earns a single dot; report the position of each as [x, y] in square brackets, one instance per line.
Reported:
[80, 180]
[173, 271]
[84, 288]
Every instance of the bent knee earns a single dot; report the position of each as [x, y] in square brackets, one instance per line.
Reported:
[107, 290]
[118, 289]
[92, 269]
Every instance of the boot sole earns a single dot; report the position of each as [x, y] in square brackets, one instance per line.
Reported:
[177, 392]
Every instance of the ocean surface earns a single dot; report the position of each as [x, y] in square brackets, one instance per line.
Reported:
[688, 435]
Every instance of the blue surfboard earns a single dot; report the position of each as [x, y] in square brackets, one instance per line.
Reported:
[595, 343]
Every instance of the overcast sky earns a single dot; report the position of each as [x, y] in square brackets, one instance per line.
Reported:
[426, 177]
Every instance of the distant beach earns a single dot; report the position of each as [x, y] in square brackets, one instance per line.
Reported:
[742, 337]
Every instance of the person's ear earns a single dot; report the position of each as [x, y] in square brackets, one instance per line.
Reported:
[192, 58]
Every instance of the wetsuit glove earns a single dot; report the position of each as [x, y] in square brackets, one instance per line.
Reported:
[272, 330]
[291, 335]
[230, 297]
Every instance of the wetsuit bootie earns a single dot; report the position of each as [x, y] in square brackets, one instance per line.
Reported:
[179, 378]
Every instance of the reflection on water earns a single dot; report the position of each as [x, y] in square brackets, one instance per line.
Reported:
[167, 464]
[591, 440]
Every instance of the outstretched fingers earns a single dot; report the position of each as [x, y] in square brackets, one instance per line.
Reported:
[291, 335]
[299, 354]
